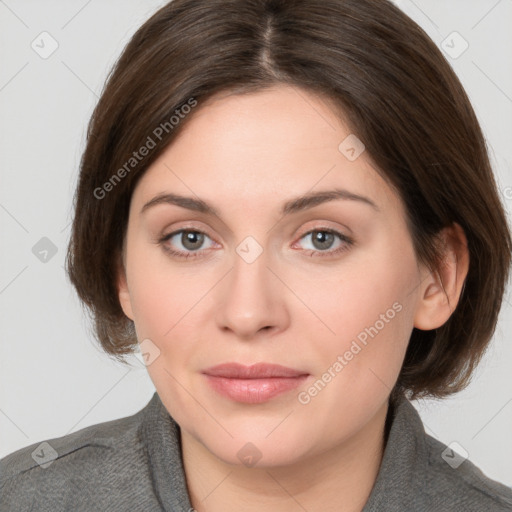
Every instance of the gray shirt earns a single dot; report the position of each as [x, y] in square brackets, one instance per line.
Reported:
[135, 464]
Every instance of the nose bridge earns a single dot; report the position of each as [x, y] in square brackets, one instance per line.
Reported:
[249, 281]
[250, 298]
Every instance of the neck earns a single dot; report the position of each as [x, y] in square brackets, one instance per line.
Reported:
[339, 479]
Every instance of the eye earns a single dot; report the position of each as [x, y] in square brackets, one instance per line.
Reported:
[190, 240]
[189, 243]
[322, 241]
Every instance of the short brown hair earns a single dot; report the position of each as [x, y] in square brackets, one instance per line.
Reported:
[393, 87]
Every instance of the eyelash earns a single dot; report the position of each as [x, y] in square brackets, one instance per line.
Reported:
[348, 242]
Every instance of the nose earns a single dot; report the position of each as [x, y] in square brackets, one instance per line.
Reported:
[252, 300]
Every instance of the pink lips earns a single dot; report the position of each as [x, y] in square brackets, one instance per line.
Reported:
[253, 384]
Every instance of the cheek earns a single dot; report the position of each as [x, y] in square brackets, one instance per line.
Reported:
[367, 313]
[158, 294]
[354, 296]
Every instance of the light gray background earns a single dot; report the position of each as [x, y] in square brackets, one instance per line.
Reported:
[53, 378]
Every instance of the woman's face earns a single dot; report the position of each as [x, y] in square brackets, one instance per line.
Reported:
[327, 288]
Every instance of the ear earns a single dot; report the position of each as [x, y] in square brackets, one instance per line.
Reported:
[122, 289]
[441, 288]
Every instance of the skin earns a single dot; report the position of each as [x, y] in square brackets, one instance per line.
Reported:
[246, 155]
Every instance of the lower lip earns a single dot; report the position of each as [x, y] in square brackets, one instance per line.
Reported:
[254, 391]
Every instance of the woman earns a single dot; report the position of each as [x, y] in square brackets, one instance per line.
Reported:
[289, 206]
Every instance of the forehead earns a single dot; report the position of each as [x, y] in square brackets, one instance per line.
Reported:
[278, 142]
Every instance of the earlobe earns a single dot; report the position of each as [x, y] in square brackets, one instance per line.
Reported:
[441, 288]
[123, 292]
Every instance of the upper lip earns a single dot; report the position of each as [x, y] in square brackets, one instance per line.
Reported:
[255, 371]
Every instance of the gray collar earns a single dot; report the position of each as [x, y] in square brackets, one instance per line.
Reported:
[405, 448]
[397, 482]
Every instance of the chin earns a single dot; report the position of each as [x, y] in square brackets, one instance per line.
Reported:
[250, 450]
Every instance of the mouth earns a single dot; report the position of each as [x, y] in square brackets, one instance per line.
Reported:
[253, 384]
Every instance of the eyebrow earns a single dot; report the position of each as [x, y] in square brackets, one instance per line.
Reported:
[294, 205]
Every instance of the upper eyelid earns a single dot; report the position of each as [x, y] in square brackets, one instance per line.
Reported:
[190, 227]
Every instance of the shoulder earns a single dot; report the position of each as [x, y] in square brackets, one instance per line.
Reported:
[420, 473]
[75, 468]
[450, 481]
